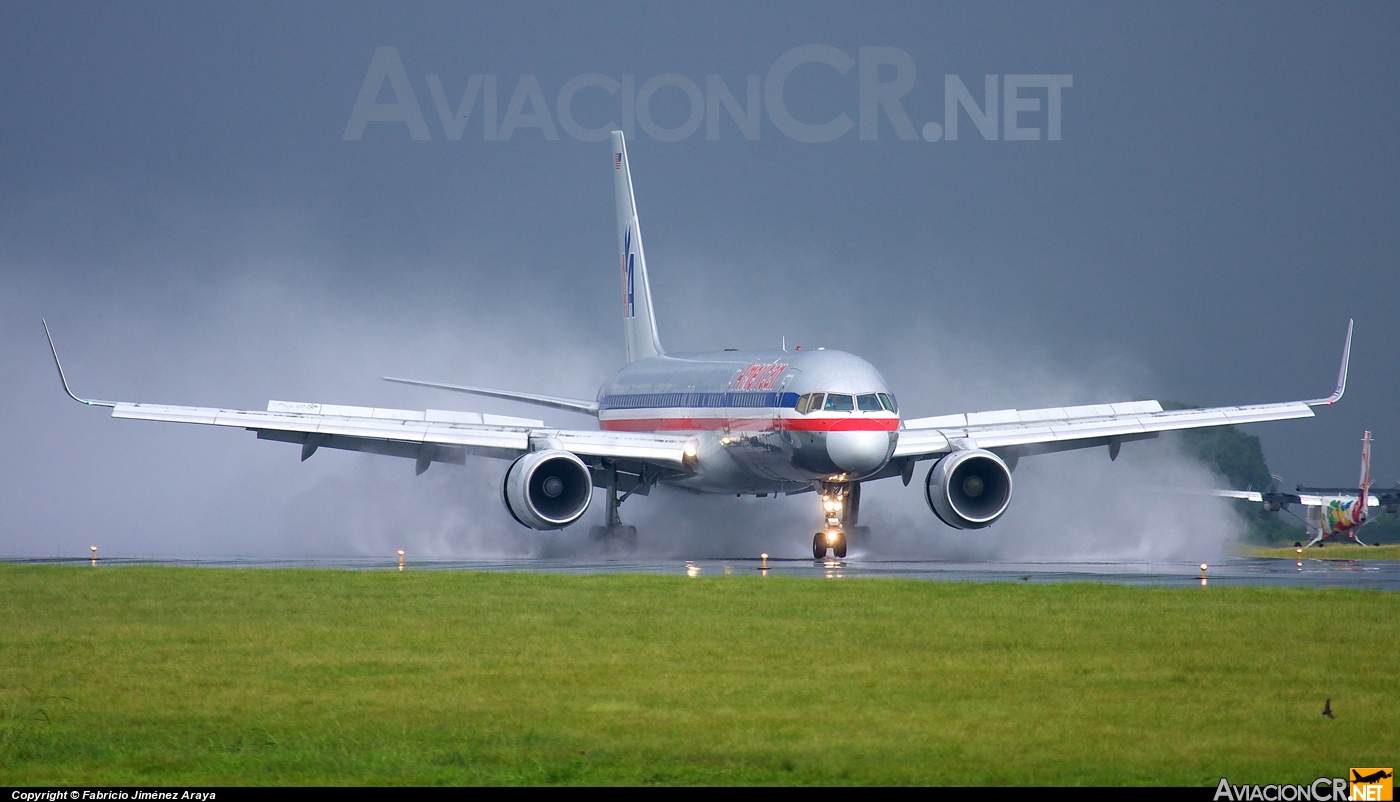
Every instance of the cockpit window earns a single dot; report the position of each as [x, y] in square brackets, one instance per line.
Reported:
[868, 403]
[810, 402]
[888, 401]
[835, 402]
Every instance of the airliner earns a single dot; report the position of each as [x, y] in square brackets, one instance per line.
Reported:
[1332, 511]
[742, 422]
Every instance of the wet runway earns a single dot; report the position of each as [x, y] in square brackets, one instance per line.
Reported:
[1233, 571]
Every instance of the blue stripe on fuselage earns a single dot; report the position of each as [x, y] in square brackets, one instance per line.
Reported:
[741, 400]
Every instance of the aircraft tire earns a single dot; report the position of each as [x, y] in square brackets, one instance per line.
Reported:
[819, 546]
[839, 549]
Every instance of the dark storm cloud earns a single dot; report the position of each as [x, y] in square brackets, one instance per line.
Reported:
[180, 202]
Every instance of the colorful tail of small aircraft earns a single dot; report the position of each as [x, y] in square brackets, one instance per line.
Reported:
[1332, 511]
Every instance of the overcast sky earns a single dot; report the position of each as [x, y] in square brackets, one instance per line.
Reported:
[187, 196]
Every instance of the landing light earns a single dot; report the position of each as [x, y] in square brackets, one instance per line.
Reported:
[690, 449]
[831, 536]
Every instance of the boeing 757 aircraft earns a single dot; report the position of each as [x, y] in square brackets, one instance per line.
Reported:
[756, 422]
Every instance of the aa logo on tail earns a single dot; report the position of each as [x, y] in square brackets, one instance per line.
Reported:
[629, 260]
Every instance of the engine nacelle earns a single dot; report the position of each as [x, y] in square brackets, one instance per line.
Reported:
[547, 489]
[968, 489]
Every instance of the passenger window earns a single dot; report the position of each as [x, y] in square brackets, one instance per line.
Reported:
[868, 403]
[836, 402]
[888, 402]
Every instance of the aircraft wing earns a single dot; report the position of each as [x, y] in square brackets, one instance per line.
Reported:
[1304, 499]
[427, 436]
[1016, 433]
[1038, 431]
[1244, 495]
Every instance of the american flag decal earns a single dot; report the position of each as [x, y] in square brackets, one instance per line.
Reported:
[617, 161]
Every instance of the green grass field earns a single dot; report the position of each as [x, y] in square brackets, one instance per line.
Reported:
[1334, 552]
[198, 675]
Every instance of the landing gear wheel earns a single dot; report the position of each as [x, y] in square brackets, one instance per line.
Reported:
[838, 549]
[621, 532]
[819, 546]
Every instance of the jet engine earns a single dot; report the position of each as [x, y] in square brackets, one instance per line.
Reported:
[547, 489]
[968, 489]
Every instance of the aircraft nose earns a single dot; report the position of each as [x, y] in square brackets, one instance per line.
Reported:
[858, 452]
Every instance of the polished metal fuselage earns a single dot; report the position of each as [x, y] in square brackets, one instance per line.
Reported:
[742, 408]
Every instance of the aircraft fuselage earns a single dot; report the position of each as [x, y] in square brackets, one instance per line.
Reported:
[765, 421]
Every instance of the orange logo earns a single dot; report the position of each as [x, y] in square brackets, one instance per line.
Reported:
[1373, 785]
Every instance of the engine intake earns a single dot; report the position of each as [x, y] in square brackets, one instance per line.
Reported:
[547, 489]
[968, 489]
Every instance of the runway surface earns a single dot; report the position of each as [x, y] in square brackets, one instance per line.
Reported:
[1234, 571]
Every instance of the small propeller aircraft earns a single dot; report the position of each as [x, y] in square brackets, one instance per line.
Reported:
[1332, 511]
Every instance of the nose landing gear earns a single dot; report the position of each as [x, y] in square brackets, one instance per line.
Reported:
[833, 539]
[841, 506]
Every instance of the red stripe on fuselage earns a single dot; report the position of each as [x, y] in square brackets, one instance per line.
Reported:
[851, 424]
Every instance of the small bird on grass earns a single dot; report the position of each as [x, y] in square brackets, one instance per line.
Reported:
[1327, 709]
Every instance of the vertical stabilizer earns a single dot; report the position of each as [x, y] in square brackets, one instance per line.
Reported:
[1365, 485]
[638, 323]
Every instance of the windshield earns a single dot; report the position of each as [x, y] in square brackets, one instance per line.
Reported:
[838, 403]
[868, 403]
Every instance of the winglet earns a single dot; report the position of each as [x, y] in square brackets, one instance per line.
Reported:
[1341, 377]
[64, 379]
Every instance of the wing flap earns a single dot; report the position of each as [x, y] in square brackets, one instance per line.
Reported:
[920, 442]
[454, 433]
[653, 448]
[1045, 415]
[369, 427]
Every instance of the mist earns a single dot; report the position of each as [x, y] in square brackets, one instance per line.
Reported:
[261, 311]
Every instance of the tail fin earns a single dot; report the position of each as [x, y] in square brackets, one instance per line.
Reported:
[1365, 485]
[639, 323]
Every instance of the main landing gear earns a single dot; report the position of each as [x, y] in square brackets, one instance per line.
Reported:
[613, 530]
[841, 506]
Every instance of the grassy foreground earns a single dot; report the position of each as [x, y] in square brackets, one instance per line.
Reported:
[1333, 552]
[196, 675]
